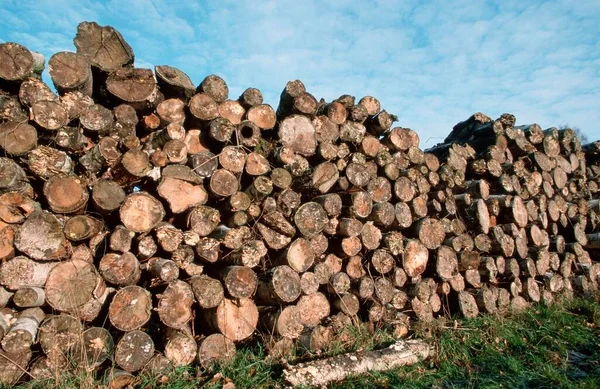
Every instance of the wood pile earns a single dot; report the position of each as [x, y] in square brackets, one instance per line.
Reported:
[148, 223]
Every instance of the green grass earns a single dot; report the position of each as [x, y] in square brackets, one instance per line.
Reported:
[544, 347]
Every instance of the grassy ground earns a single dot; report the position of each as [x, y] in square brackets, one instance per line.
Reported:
[557, 347]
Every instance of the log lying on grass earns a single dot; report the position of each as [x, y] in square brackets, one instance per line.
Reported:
[324, 371]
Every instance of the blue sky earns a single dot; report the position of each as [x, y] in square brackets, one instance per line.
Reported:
[432, 63]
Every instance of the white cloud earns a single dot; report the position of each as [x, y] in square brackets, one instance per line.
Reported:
[432, 64]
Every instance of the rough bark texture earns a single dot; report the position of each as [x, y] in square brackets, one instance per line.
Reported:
[325, 371]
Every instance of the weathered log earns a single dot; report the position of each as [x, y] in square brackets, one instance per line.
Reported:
[17, 62]
[94, 346]
[313, 308]
[134, 350]
[130, 308]
[140, 212]
[23, 333]
[215, 348]
[322, 372]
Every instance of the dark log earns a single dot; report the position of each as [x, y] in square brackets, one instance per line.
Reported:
[104, 47]
[107, 196]
[174, 83]
[17, 62]
[251, 97]
[71, 72]
[17, 138]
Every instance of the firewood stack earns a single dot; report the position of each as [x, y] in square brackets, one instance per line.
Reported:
[148, 223]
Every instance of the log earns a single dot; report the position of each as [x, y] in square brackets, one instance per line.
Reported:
[164, 270]
[285, 322]
[94, 346]
[414, 258]
[72, 284]
[17, 62]
[239, 281]
[175, 304]
[20, 272]
[104, 47]
[467, 304]
[203, 107]
[430, 232]
[215, 349]
[17, 138]
[57, 335]
[65, 194]
[134, 350]
[23, 333]
[173, 82]
[29, 297]
[180, 348]
[13, 366]
[313, 309]
[71, 72]
[208, 291]
[235, 320]
[250, 97]
[262, 115]
[325, 371]
[140, 212]
[298, 133]
[130, 308]
[107, 196]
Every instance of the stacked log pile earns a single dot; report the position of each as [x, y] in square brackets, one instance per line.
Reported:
[148, 223]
